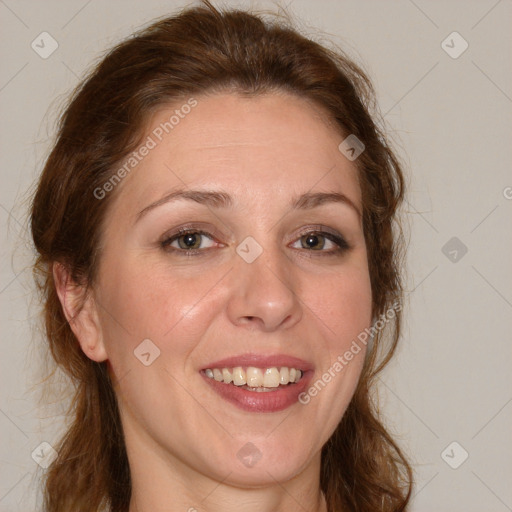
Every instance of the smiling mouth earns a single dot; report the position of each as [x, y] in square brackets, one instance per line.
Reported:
[256, 379]
[259, 389]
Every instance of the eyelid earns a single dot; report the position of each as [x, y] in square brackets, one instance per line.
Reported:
[318, 228]
[325, 230]
[205, 230]
[199, 227]
[338, 239]
[167, 240]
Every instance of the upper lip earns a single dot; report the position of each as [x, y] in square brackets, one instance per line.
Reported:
[261, 361]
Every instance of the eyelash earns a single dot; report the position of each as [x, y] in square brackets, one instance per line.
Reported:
[342, 244]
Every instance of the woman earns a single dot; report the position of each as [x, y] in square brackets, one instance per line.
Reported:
[218, 263]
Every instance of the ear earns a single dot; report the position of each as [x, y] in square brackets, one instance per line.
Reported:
[81, 313]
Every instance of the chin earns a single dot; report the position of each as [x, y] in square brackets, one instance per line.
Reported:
[262, 462]
[261, 475]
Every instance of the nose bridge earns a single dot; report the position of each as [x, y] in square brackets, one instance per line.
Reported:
[265, 290]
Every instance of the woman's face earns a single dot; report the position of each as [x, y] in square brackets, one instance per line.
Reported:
[266, 284]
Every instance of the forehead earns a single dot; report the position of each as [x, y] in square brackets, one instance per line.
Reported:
[266, 147]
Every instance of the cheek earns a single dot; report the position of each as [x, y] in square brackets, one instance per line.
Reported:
[175, 308]
[342, 302]
[169, 308]
[342, 309]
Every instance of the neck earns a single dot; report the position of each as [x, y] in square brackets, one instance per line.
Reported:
[226, 499]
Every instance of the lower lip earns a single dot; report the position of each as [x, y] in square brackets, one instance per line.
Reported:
[253, 401]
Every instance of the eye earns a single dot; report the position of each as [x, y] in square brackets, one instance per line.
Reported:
[187, 241]
[323, 242]
[196, 242]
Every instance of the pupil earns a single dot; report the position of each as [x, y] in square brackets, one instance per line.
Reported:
[190, 240]
[312, 240]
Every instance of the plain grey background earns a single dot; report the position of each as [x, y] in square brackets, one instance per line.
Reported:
[450, 114]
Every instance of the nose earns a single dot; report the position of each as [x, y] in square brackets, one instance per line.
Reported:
[265, 292]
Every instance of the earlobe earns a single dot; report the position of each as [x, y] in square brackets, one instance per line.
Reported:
[81, 312]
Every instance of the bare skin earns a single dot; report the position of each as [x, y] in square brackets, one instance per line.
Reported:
[297, 298]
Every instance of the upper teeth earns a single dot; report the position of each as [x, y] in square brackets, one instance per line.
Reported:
[255, 377]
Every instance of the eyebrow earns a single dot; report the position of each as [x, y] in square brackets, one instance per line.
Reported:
[220, 199]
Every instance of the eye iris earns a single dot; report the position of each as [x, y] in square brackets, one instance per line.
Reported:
[191, 241]
[312, 240]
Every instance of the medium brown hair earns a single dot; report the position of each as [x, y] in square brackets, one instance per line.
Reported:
[203, 50]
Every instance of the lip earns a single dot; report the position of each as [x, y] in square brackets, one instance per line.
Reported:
[252, 401]
[261, 361]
